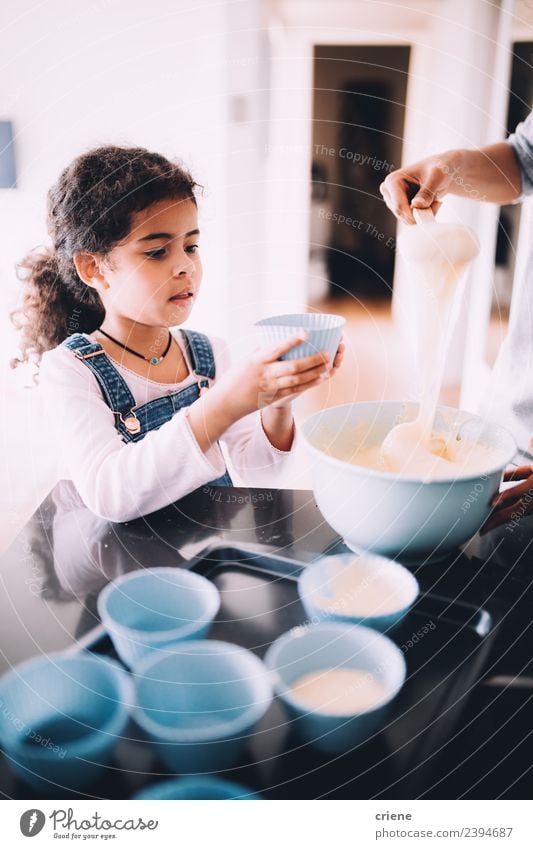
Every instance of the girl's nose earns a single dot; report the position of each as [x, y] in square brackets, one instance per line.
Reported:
[184, 268]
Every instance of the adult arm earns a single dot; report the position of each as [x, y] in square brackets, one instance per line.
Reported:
[489, 174]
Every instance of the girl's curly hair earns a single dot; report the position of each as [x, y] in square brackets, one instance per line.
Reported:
[89, 209]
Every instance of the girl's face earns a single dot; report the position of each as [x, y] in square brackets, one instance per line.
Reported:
[155, 273]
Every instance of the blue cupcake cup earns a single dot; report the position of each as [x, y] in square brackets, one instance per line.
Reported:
[61, 717]
[394, 590]
[207, 788]
[333, 645]
[151, 609]
[323, 331]
[199, 703]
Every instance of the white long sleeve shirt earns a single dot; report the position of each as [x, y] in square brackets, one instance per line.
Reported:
[121, 481]
[509, 397]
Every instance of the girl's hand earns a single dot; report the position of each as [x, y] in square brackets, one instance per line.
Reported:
[277, 419]
[339, 357]
[513, 503]
[330, 371]
[265, 380]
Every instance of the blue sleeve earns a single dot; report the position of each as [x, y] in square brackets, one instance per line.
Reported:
[522, 143]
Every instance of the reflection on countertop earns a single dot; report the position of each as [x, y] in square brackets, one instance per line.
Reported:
[55, 569]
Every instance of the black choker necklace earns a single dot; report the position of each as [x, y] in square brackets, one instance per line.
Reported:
[154, 361]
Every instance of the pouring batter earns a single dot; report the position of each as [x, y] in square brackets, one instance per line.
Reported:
[436, 254]
[498, 173]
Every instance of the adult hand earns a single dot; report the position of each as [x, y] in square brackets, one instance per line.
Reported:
[513, 503]
[422, 185]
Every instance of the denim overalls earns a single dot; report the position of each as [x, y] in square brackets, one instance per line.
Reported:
[132, 422]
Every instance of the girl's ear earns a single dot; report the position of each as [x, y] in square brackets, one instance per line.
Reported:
[89, 268]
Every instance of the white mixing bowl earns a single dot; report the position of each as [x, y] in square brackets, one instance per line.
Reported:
[394, 515]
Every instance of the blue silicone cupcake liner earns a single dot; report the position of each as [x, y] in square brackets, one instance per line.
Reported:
[151, 609]
[206, 788]
[323, 330]
[333, 645]
[60, 718]
[316, 584]
[199, 703]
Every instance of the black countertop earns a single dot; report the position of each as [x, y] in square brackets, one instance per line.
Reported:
[58, 564]
[54, 570]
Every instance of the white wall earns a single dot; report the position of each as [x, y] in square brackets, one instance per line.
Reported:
[75, 75]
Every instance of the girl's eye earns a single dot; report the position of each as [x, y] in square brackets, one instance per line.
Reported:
[157, 254]
[191, 249]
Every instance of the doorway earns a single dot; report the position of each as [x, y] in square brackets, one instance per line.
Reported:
[359, 96]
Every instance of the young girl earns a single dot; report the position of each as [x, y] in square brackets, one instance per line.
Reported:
[139, 406]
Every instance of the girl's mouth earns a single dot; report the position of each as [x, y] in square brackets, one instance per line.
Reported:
[183, 296]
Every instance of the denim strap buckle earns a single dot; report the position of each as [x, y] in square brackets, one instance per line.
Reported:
[131, 422]
[81, 356]
[204, 383]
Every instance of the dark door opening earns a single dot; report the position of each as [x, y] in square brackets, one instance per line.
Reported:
[358, 119]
